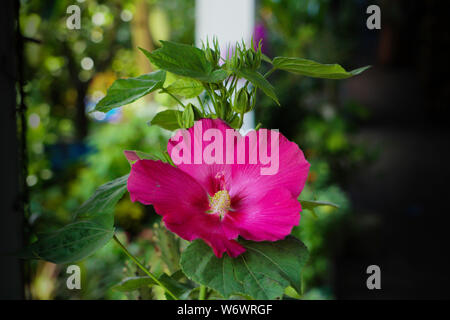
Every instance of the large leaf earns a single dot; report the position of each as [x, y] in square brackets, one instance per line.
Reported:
[184, 60]
[167, 119]
[259, 81]
[262, 272]
[101, 204]
[314, 69]
[125, 91]
[185, 87]
[92, 229]
[72, 243]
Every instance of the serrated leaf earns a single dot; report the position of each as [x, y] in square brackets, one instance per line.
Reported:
[262, 272]
[92, 229]
[185, 87]
[167, 119]
[315, 69]
[258, 81]
[101, 204]
[184, 60]
[125, 91]
[72, 243]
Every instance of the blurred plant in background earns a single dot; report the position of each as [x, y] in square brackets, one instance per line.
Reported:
[72, 153]
[68, 71]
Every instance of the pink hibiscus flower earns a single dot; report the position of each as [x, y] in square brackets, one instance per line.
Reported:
[220, 201]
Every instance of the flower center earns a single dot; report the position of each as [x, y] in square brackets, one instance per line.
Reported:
[220, 203]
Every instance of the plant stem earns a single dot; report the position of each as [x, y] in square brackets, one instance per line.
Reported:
[201, 105]
[174, 97]
[211, 96]
[202, 293]
[269, 72]
[151, 275]
[241, 120]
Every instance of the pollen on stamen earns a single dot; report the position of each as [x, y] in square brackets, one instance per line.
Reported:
[220, 203]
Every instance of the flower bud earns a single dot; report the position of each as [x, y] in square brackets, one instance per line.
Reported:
[187, 117]
[249, 57]
[253, 59]
[212, 56]
[241, 101]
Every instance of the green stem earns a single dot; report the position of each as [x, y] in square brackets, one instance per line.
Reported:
[211, 96]
[151, 275]
[202, 293]
[269, 72]
[241, 120]
[201, 105]
[233, 84]
[173, 96]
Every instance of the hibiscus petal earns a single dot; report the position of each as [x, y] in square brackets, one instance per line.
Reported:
[289, 163]
[182, 202]
[202, 172]
[269, 216]
[210, 230]
[291, 174]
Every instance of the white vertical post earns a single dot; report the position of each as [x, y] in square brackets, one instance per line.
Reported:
[230, 21]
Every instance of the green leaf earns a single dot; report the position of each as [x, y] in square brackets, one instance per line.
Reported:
[133, 283]
[311, 204]
[184, 60]
[72, 243]
[185, 87]
[266, 58]
[180, 290]
[258, 81]
[217, 76]
[125, 91]
[92, 229]
[262, 272]
[101, 204]
[314, 69]
[134, 155]
[167, 119]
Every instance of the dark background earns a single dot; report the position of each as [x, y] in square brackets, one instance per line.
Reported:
[401, 200]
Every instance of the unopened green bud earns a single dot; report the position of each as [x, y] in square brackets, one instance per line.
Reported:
[249, 57]
[242, 101]
[257, 59]
[253, 59]
[212, 56]
[187, 117]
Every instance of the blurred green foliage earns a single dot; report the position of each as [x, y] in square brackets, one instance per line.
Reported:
[70, 152]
